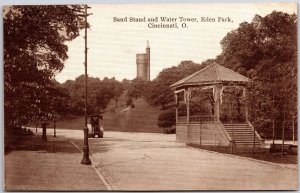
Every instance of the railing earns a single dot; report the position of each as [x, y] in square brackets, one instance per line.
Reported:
[198, 119]
[203, 119]
[226, 133]
[262, 141]
[181, 119]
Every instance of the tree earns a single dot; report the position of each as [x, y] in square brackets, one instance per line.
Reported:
[159, 92]
[117, 91]
[266, 51]
[137, 88]
[167, 119]
[34, 51]
[114, 87]
[60, 100]
[100, 92]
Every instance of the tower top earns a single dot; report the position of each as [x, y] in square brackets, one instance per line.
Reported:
[148, 44]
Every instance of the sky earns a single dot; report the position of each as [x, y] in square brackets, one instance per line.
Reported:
[112, 46]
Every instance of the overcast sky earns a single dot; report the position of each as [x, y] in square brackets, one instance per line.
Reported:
[113, 45]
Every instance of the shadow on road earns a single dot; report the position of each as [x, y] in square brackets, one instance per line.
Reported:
[35, 143]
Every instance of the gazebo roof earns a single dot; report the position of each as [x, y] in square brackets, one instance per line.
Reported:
[212, 74]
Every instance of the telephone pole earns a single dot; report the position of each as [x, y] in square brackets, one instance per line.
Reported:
[85, 160]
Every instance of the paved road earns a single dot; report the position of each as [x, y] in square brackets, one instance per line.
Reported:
[141, 161]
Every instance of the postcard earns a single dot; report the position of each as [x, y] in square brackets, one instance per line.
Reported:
[150, 97]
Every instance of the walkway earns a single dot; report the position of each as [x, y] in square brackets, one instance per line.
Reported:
[51, 166]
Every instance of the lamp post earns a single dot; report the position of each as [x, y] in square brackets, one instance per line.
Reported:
[85, 160]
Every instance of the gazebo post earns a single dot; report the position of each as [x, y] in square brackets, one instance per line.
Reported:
[217, 103]
[176, 102]
[187, 95]
[246, 104]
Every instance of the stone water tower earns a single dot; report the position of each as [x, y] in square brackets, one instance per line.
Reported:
[143, 64]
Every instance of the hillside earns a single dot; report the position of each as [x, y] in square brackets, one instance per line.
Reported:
[142, 118]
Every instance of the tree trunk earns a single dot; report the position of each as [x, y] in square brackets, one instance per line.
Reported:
[273, 128]
[253, 150]
[44, 136]
[273, 119]
[283, 124]
[293, 128]
[54, 128]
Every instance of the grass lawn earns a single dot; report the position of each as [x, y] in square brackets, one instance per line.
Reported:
[141, 118]
[73, 123]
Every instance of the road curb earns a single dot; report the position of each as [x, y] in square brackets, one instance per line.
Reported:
[246, 158]
[101, 176]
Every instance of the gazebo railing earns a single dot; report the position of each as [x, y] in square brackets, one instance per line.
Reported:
[203, 119]
[181, 119]
[198, 119]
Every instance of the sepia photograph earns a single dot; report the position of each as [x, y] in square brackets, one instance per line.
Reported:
[150, 97]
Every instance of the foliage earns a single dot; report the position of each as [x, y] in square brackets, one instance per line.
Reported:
[100, 92]
[167, 118]
[202, 102]
[266, 51]
[117, 90]
[125, 84]
[159, 92]
[233, 105]
[129, 101]
[34, 51]
[137, 88]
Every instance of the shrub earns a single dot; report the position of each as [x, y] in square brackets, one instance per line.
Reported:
[129, 101]
[167, 119]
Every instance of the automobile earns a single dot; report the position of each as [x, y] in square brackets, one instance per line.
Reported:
[94, 127]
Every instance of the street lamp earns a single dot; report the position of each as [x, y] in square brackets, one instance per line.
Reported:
[85, 160]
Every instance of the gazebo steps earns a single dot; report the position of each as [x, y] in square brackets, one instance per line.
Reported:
[242, 134]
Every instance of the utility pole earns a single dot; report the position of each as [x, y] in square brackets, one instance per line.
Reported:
[254, 129]
[85, 160]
